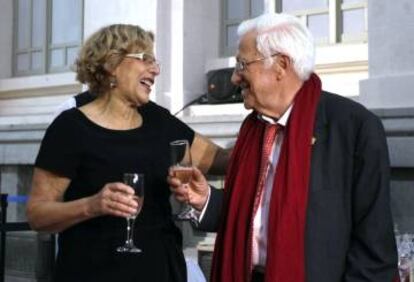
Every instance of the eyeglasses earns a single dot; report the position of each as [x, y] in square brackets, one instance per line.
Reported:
[148, 59]
[241, 65]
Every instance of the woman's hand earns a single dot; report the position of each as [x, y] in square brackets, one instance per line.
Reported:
[114, 199]
[195, 193]
[46, 210]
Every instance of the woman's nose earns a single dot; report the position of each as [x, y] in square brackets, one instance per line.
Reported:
[155, 68]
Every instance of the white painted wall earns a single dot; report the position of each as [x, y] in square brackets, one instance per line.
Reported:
[187, 37]
[201, 43]
[99, 13]
[342, 67]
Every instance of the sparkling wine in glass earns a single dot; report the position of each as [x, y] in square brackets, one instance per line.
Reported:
[136, 181]
[181, 166]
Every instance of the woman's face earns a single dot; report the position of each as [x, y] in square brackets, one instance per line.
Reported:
[135, 76]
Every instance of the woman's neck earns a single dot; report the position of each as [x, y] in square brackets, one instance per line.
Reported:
[113, 112]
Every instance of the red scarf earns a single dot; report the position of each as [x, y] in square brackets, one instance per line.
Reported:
[287, 214]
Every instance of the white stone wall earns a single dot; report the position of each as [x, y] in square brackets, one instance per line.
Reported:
[391, 65]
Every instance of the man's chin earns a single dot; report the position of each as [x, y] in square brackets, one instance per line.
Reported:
[247, 105]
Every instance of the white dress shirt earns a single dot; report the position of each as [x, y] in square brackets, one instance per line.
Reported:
[261, 218]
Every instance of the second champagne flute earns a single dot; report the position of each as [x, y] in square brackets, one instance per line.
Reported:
[181, 167]
[136, 181]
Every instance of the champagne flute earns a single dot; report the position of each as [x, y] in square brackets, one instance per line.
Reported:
[136, 182]
[181, 166]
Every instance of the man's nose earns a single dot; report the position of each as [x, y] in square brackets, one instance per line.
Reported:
[235, 78]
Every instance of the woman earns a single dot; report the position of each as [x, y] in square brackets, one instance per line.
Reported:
[77, 189]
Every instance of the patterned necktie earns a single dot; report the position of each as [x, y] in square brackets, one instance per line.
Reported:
[268, 141]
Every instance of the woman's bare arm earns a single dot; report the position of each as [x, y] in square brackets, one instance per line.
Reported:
[209, 157]
[46, 210]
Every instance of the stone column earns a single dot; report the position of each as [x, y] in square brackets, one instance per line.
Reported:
[390, 51]
[169, 49]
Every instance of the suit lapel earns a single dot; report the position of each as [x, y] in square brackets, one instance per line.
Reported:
[320, 135]
[320, 128]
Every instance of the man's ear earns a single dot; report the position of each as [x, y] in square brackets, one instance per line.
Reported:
[284, 61]
[283, 64]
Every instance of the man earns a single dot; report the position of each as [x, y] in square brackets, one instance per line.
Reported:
[306, 195]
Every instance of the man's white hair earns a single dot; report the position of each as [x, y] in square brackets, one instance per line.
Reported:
[283, 33]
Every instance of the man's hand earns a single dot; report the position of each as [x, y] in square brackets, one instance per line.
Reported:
[195, 193]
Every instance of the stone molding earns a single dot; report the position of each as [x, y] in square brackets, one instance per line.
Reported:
[19, 143]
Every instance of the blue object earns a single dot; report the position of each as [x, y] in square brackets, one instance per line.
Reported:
[17, 199]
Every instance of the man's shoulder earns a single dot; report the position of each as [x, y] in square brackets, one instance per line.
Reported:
[335, 106]
[333, 101]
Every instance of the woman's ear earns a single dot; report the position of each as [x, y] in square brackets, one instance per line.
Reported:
[112, 62]
[110, 67]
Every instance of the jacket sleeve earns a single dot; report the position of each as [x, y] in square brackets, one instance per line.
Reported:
[372, 252]
[211, 218]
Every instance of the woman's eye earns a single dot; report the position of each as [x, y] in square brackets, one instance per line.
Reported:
[148, 59]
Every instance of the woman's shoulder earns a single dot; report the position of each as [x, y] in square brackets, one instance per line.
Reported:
[152, 108]
[67, 116]
[160, 118]
[155, 113]
[66, 120]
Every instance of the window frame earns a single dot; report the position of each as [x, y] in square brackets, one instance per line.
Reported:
[362, 37]
[226, 23]
[334, 11]
[47, 46]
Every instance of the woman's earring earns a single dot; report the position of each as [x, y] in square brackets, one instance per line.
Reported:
[112, 82]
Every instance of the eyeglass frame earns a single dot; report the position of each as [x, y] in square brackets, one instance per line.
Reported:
[153, 62]
[242, 65]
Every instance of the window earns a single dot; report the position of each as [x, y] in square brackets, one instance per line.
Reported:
[330, 21]
[234, 12]
[48, 34]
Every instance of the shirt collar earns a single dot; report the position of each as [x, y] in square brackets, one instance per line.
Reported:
[282, 121]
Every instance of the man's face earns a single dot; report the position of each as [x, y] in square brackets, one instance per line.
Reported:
[258, 82]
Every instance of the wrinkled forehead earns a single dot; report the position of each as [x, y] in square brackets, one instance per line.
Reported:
[247, 45]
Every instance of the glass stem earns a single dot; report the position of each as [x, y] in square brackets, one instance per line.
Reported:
[131, 238]
[130, 232]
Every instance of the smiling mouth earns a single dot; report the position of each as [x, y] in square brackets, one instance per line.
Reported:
[244, 88]
[147, 82]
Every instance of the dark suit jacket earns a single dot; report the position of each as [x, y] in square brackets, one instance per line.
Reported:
[349, 229]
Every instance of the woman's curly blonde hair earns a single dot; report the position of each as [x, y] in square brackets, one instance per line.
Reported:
[105, 49]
